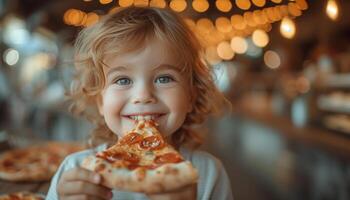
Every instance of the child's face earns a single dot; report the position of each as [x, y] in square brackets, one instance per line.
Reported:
[144, 83]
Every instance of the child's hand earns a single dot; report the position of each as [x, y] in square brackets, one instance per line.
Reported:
[79, 183]
[188, 192]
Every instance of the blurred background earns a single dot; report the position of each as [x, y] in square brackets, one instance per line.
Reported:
[284, 65]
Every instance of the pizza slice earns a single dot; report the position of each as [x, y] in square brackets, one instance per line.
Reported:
[142, 161]
[34, 163]
[22, 196]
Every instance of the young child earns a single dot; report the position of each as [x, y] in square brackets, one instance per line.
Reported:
[142, 63]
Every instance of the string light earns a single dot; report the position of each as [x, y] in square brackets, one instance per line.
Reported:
[272, 59]
[178, 5]
[105, 1]
[260, 38]
[225, 51]
[226, 32]
[283, 10]
[223, 24]
[200, 5]
[243, 4]
[276, 1]
[259, 17]
[223, 5]
[141, 3]
[157, 3]
[239, 45]
[332, 9]
[248, 18]
[237, 21]
[212, 56]
[92, 18]
[294, 10]
[302, 4]
[125, 3]
[259, 3]
[287, 28]
[204, 25]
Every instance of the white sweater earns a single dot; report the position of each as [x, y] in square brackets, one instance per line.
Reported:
[213, 180]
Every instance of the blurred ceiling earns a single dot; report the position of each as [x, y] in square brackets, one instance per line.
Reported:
[49, 13]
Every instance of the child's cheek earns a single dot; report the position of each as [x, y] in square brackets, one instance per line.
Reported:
[112, 101]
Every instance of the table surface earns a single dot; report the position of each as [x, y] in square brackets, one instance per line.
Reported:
[10, 187]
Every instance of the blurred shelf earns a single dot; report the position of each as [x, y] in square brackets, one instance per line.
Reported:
[312, 136]
[336, 109]
[338, 81]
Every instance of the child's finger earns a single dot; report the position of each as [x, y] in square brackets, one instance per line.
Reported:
[81, 197]
[81, 174]
[86, 188]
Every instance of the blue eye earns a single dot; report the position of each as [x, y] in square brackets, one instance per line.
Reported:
[123, 81]
[164, 79]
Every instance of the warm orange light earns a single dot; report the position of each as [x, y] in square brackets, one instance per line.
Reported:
[287, 28]
[125, 3]
[238, 22]
[269, 14]
[205, 25]
[239, 45]
[260, 38]
[200, 5]
[283, 10]
[332, 9]
[243, 4]
[223, 5]
[74, 17]
[276, 1]
[259, 17]
[157, 3]
[211, 55]
[225, 51]
[105, 1]
[248, 18]
[141, 3]
[302, 4]
[294, 10]
[223, 24]
[178, 5]
[259, 3]
[92, 18]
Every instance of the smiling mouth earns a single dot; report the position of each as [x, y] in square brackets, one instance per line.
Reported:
[147, 117]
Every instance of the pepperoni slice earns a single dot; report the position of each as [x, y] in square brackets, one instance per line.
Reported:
[127, 156]
[154, 142]
[131, 157]
[168, 158]
[131, 138]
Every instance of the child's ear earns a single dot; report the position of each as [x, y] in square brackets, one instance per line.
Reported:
[99, 102]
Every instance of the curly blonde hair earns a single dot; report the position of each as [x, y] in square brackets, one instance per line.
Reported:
[127, 30]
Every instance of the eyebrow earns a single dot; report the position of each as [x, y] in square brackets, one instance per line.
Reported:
[118, 68]
[159, 67]
[166, 66]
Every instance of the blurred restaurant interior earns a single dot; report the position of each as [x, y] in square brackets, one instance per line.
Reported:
[284, 65]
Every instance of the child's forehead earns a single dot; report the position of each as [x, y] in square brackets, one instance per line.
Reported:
[154, 52]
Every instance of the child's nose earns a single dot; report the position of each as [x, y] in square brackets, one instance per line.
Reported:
[143, 96]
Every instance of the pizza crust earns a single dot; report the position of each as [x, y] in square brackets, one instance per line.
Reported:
[165, 178]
